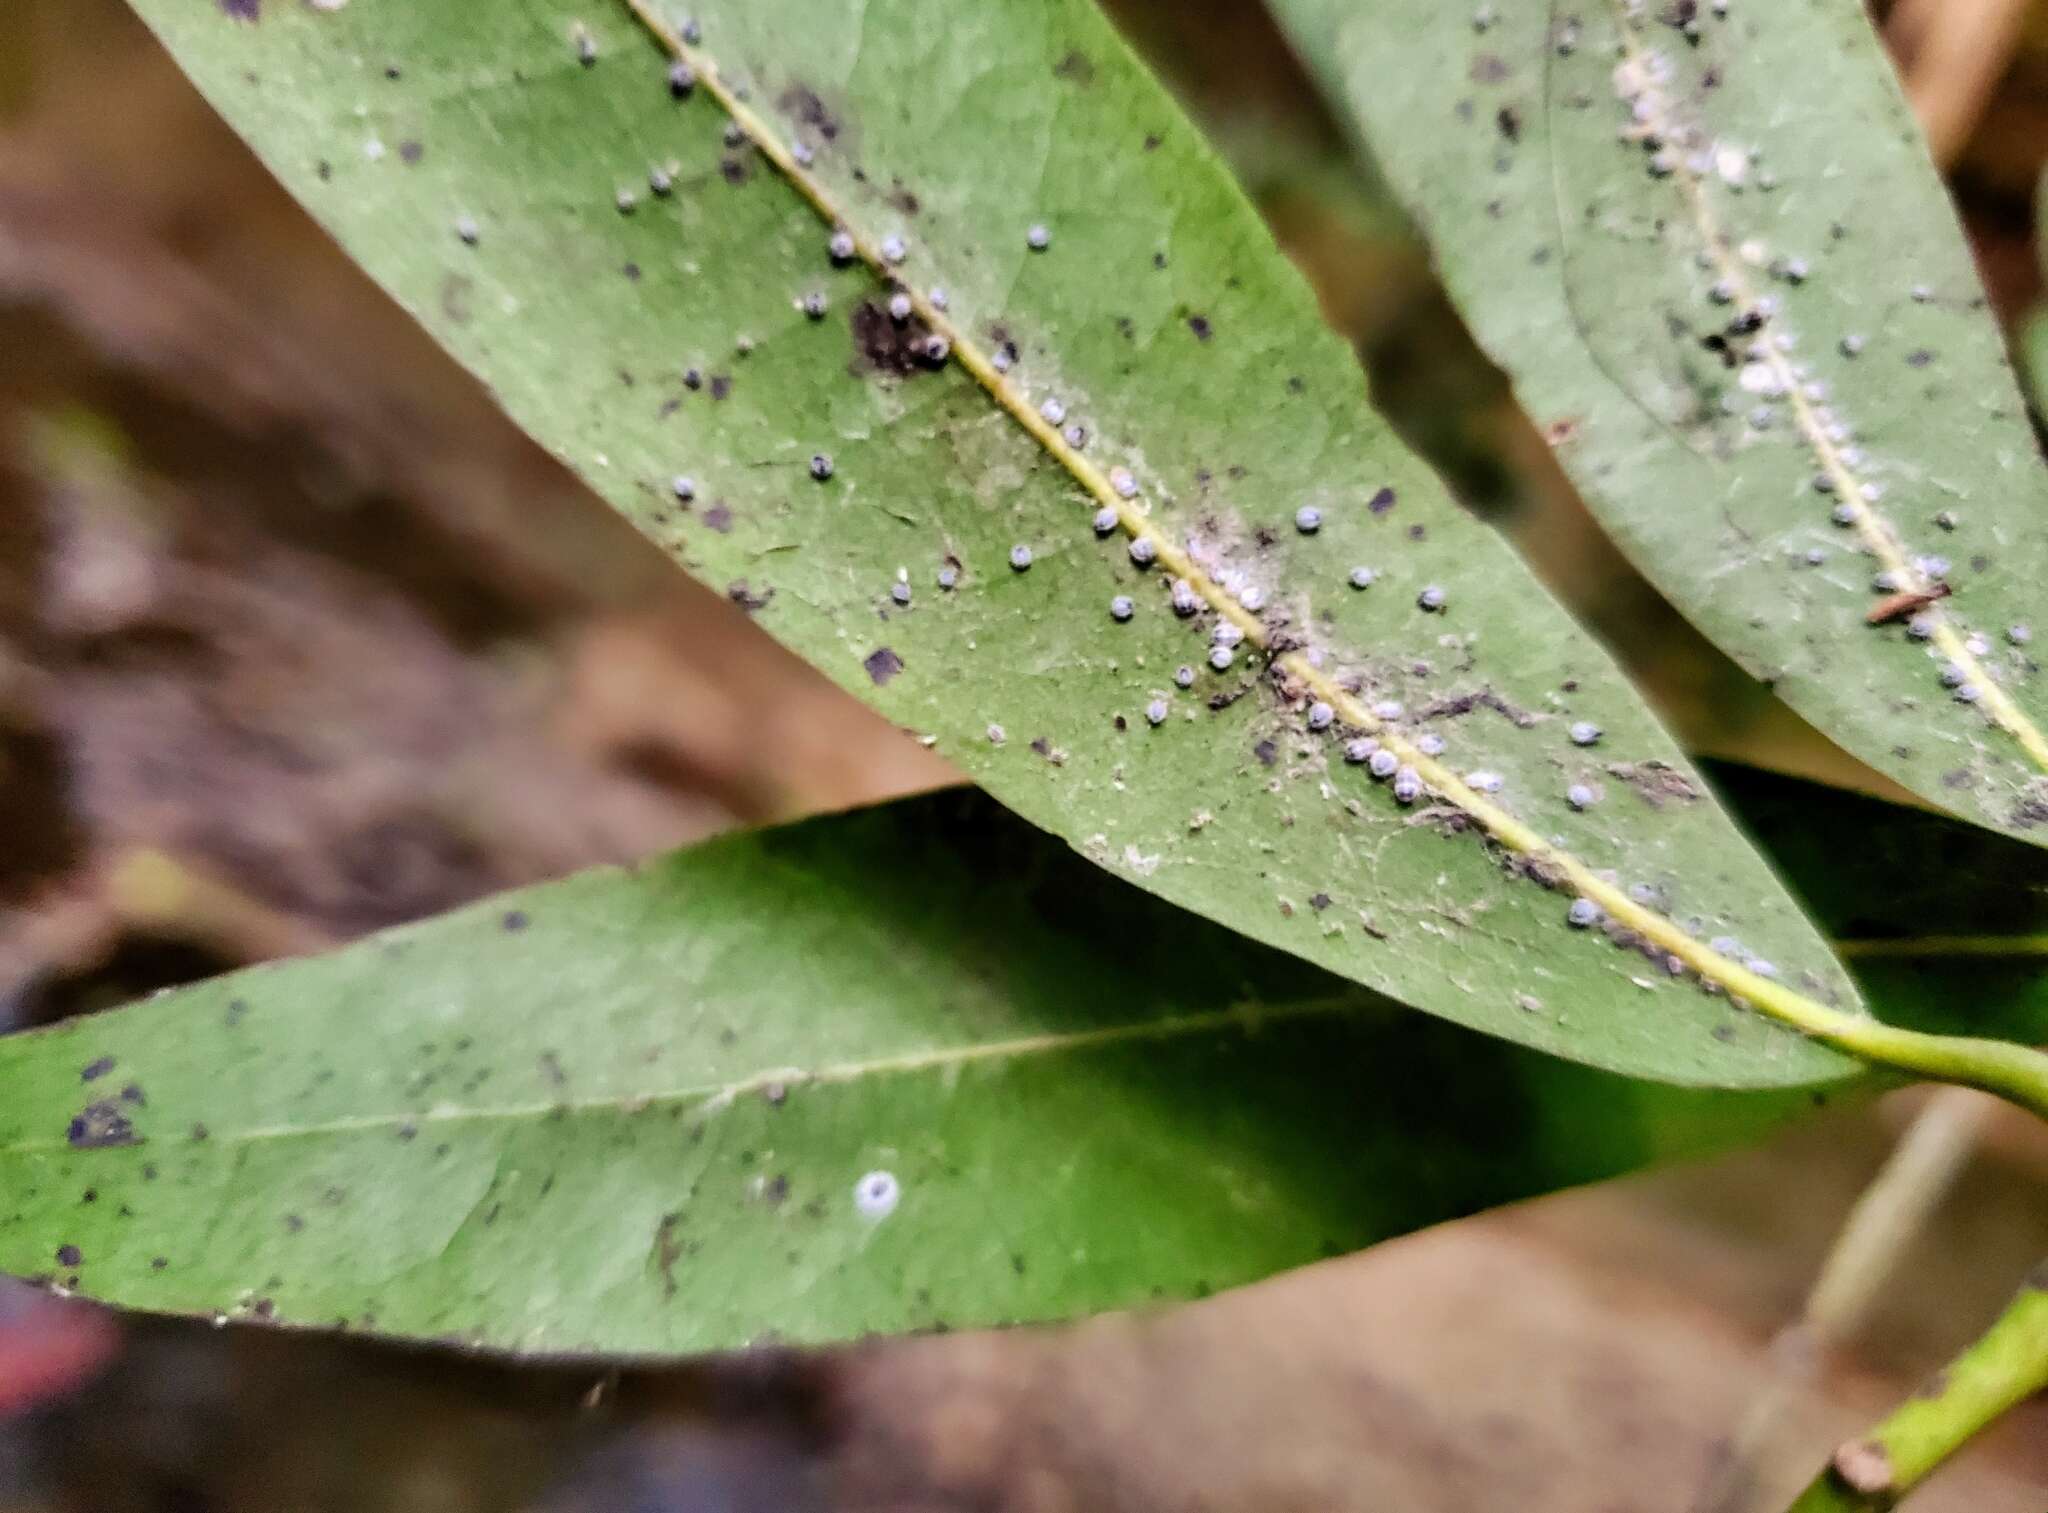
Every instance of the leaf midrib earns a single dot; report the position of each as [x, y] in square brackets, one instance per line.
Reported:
[1246, 1019]
[1876, 530]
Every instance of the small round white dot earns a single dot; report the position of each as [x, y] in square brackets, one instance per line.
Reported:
[876, 1195]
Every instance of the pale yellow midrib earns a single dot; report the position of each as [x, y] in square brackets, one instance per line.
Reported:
[1763, 993]
[1876, 531]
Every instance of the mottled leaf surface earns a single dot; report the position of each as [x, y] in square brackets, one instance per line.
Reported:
[1724, 276]
[630, 278]
[629, 1111]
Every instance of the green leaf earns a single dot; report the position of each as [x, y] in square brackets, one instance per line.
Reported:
[666, 338]
[628, 1112]
[1611, 201]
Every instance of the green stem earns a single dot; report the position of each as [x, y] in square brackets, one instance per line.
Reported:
[2014, 1072]
[2004, 1368]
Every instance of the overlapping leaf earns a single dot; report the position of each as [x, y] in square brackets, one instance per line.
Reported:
[1708, 246]
[650, 297]
[629, 1111]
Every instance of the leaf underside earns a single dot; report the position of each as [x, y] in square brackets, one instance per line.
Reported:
[645, 335]
[628, 1112]
[1613, 200]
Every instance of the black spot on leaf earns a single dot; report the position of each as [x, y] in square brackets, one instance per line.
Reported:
[802, 102]
[98, 1125]
[882, 665]
[884, 345]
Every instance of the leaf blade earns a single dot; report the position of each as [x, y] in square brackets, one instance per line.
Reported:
[626, 1112]
[1608, 229]
[1161, 318]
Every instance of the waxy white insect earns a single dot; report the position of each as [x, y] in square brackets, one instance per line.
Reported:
[876, 1195]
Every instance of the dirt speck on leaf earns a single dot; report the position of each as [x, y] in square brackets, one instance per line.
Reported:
[1656, 782]
[1075, 68]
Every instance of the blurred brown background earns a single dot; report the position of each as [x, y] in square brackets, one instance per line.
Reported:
[298, 638]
